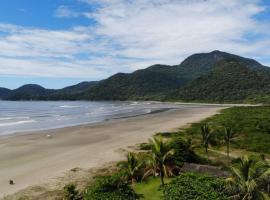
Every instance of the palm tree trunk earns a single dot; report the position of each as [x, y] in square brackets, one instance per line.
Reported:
[162, 177]
[207, 154]
[161, 174]
[228, 153]
[133, 181]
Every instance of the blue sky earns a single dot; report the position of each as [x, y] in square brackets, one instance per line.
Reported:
[57, 43]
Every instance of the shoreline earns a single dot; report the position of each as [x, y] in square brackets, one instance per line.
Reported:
[33, 159]
[37, 131]
[156, 110]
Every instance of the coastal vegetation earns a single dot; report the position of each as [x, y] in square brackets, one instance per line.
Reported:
[195, 186]
[155, 172]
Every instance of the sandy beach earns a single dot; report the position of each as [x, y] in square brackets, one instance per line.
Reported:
[34, 158]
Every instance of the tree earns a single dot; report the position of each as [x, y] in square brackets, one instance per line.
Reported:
[229, 135]
[206, 135]
[131, 167]
[160, 152]
[247, 178]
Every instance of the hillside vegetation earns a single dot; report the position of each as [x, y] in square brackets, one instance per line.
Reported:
[206, 77]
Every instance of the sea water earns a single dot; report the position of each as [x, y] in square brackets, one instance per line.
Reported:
[23, 116]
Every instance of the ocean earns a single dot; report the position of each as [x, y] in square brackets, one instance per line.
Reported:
[24, 116]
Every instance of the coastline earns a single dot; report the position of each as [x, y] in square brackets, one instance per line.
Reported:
[33, 158]
[152, 111]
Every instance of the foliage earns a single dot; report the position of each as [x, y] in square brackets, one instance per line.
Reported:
[112, 187]
[213, 77]
[183, 151]
[250, 123]
[248, 177]
[145, 146]
[229, 135]
[160, 152]
[206, 136]
[195, 186]
[132, 168]
[71, 193]
[229, 81]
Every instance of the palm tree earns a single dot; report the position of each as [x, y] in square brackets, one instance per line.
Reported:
[229, 135]
[160, 153]
[247, 177]
[206, 135]
[131, 167]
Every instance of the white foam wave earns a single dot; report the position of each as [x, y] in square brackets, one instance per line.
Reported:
[69, 106]
[16, 123]
[10, 118]
[5, 118]
[134, 103]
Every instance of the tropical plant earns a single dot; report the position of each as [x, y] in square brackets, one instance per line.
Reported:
[206, 136]
[229, 135]
[159, 154]
[247, 179]
[131, 167]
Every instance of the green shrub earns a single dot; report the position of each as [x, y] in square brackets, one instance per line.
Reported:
[145, 146]
[183, 151]
[195, 186]
[71, 193]
[112, 187]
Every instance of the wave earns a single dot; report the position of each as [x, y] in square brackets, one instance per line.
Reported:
[5, 118]
[69, 106]
[134, 103]
[10, 118]
[17, 123]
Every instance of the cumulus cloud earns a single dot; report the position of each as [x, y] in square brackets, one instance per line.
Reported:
[169, 30]
[129, 35]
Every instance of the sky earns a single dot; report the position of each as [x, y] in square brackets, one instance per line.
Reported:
[56, 43]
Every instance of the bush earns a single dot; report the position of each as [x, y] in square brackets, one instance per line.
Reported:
[183, 151]
[112, 187]
[195, 186]
[145, 146]
[71, 193]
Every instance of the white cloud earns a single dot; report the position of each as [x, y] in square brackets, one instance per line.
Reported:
[168, 29]
[129, 35]
[65, 11]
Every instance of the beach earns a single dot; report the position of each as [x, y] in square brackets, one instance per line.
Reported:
[38, 157]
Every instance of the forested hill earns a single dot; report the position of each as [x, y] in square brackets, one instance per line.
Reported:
[229, 81]
[213, 77]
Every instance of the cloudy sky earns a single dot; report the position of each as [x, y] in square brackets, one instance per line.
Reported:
[61, 42]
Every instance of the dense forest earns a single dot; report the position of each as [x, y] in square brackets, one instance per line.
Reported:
[206, 77]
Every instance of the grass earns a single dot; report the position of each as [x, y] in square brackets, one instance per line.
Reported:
[252, 125]
[150, 189]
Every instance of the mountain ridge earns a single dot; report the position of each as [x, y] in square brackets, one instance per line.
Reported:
[164, 82]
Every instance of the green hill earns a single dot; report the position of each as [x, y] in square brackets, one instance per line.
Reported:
[164, 82]
[142, 84]
[216, 77]
[229, 81]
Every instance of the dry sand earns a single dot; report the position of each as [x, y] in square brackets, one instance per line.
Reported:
[33, 158]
